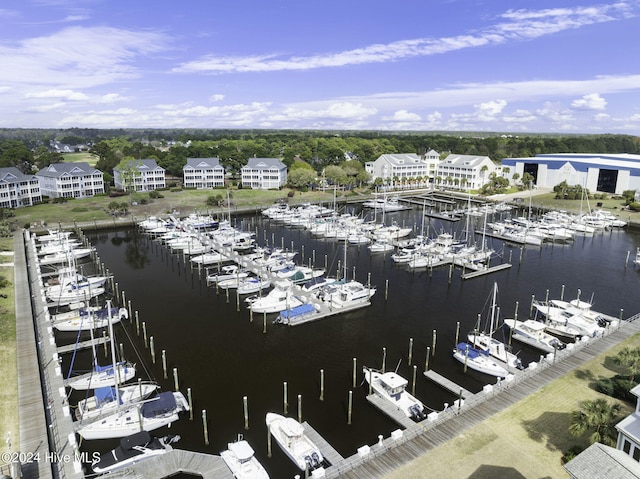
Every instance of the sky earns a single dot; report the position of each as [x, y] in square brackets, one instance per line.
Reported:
[563, 66]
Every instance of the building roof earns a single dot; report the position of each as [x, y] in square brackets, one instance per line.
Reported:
[145, 165]
[56, 170]
[11, 174]
[470, 161]
[202, 163]
[630, 427]
[603, 462]
[583, 161]
[398, 159]
[264, 164]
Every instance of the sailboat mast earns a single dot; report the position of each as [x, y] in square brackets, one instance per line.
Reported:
[493, 308]
[113, 355]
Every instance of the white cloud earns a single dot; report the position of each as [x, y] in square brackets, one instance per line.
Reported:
[110, 98]
[518, 25]
[404, 115]
[488, 110]
[78, 57]
[54, 93]
[591, 101]
[217, 97]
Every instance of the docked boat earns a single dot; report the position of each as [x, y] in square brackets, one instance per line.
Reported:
[231, 271]
[568, 316]
[292, 439]
[63, 257]
[299, 274]
[278, 299]
[253, 284]
[209, 258]
[486, 341]
[102, 376]
[84, 320]
[107, 400]
[240, 459]
[132, 450]
[68, 295]
[392, 387]
[349, 294]
[297, 314]
[479, 360]
[147, 415]
[533, 333]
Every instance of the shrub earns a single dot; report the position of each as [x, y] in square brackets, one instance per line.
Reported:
[79, 209]
[291, 194]
[144, 201]
[154, 194]
[571, 453]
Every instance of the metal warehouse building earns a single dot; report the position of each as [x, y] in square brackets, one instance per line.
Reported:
[608, 173]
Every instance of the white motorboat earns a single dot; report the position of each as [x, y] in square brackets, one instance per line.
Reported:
[479, 360]
[345, 295]
[63, 257]
[291, 438]
[386, 204]
[317, 283]
[108, 400]
[231, 271]
[147, 415]
[278, 299]
[533, 333]
[299, 274]
[241, 460]
[392, 387]
[253, 284]
[133, 450]
[569, 316]
[211, 257]
[382, 245]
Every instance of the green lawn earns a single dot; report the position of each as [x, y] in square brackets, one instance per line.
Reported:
[8, 359]
[80, 157]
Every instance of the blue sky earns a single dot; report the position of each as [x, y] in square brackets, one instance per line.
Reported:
[564, 66]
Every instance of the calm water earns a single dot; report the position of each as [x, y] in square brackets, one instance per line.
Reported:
[223, 356]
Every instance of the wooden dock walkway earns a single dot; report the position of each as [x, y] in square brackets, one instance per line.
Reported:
[447, 384]
[327, 449]
[175, 462]
[393, 412]
[393, 453]
[69, 348]
[46, 425]
[483, 271]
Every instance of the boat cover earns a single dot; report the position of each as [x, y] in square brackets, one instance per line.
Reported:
[298, 311]
[470, 351]
[164, 403]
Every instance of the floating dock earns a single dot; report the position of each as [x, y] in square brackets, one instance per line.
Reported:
[69, 348]
[447, 384]
[329, 453]
[393, 412]
[482, 271]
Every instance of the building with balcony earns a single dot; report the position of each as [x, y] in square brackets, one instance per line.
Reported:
[264, 174]
[139, 175]
[401, 166]
[70, 180]
[18, 189]
[203, 173]
[466, 172]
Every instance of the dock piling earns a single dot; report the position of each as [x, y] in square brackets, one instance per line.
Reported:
[205, 427]
[322, 385]
[176, 384]
[285, 398]
[190, 401]
[350, 407]
[164, 363]
[245, 406]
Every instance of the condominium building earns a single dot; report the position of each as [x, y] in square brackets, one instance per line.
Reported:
[403, 165]
[203, 173]
[139, 175]
[465, 171]
[18, 189]
[264, 174]
[70, 180]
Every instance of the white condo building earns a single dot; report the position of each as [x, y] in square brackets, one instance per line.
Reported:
[139, 175]
[70, 180]
[465, 171]
[203, 173]
[18, 189]
[264, 174]
[403, 165]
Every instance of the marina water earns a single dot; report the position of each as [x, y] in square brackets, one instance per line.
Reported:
[222, 355]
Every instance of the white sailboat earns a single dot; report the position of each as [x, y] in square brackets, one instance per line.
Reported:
[479, 360]
[485, 341]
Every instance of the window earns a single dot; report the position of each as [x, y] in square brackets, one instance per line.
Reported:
[626, 446]
[636, 454]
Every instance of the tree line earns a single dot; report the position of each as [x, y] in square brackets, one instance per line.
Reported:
[28, 149]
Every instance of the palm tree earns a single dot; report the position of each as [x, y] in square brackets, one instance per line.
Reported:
[629, 358]
[599, 416]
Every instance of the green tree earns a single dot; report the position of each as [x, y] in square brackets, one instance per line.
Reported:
[335, 174]
[630, 359]
[598, 417]
[301, 177]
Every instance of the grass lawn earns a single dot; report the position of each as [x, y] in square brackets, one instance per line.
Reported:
[8, 360]
[81, 157]
[526, 440]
